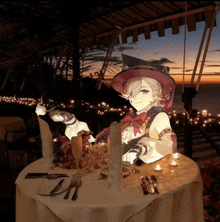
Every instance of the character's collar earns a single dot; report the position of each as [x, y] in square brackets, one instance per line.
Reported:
[154, 110]
[71, 122]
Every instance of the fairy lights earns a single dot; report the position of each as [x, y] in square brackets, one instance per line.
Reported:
[203, 117]
[101, 108]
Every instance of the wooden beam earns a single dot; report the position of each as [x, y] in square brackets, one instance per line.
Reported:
[198, 55]
[206, 50]
[175, 26]
[147, 33]
[124, 37]
[160, 28]
[163, 19]
[191, 22]
[208, 18]
[135, 35]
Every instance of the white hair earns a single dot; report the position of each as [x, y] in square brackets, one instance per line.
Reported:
[133, 86]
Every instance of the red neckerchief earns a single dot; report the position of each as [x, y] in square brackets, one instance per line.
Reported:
[135, 122]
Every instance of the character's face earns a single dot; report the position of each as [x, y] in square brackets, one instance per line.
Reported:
[143, 98]
[57, 118]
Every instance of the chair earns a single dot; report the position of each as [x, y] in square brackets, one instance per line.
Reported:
[19, 141]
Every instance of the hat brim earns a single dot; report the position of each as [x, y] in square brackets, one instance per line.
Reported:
[167, 81]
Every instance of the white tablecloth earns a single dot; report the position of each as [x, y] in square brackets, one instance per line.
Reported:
[180, 197]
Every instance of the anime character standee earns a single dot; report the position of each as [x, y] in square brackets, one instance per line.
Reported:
[147, 134]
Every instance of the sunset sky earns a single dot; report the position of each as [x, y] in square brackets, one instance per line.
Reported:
[170, 48]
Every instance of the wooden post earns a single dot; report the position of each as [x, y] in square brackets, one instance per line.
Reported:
[206, 51]
[106, 61]
[188, 138]
[199, 54]
[75, 52]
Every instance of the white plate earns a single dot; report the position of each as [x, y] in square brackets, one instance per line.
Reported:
[47, 185]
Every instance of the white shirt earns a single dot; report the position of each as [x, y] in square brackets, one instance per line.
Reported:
[72, 130]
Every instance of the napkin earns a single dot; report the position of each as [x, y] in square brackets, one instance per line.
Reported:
[115, 160]
[47, 143]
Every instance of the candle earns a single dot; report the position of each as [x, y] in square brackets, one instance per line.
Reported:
[173, 162]
[158, 167]
[47, 143]
[115, 158]
[175, 155]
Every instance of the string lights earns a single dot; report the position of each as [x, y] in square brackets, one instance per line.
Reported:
[101, 108]
[203, 117]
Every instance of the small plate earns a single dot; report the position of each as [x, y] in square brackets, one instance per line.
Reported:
[46, 186]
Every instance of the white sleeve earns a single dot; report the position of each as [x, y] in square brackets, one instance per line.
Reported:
[161, 122]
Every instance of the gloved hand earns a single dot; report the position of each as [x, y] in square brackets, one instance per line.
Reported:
[40, 110]
[129, 158]
[134, 153]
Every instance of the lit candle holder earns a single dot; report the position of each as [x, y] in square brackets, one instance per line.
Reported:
[158, 168]
[173, 162]
[175, 155]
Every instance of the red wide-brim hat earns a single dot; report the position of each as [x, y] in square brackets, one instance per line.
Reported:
[166, 80]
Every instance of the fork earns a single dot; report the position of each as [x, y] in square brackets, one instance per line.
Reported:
[72, 184]
[78, 184]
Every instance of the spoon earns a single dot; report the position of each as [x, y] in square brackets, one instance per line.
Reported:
[153, 180]
[78, 184]
[144, 185]
[150, 187]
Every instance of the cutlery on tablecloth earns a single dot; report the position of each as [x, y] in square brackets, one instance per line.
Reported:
[153, 180]
[144, 186]
[72, 184]
[150, 187]
[57, 187]
[78, 184]
[45, 175]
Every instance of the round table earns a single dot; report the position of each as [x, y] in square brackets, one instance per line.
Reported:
[180, 197]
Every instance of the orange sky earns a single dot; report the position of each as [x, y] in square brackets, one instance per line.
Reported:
[170, 48]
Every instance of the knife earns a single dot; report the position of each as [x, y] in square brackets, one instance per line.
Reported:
[57, 187]
[44, 175]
